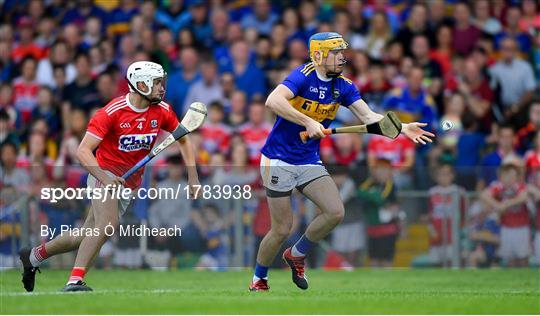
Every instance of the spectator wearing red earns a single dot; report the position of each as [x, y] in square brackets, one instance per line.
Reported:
[255, 132]
[530, 19]
[475, 88]
[25, 89]
[26, 45]
[443, 51]
[507, 197]
[465, 33]
[216, 134]
[532, 160]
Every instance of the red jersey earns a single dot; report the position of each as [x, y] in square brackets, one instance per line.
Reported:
[25, 97]
[216, 137]
[128, 134]
[517, 215]
[255, 137]
[442, 201]
[394, 150]
[532, 161]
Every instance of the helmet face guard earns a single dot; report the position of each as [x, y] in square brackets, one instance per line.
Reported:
[146, 72]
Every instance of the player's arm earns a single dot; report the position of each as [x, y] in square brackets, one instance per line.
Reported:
[412, 130]
[85, 154]
[188, 153]
[278, 102]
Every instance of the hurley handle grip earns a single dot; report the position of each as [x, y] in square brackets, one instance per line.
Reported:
[304, 135]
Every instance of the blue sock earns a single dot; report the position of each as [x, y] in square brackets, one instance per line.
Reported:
[261, 272]
[302, 246]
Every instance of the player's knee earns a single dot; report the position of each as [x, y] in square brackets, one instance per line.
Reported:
[336, 214]
[281, 232]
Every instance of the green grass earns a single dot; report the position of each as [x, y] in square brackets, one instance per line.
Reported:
[360, 292]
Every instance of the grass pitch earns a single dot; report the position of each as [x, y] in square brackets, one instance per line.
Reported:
[363, 291]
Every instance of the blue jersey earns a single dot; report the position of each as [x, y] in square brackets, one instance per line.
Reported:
[316, 98]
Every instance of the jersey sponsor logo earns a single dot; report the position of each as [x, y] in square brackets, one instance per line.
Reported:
[125, 125]
[317, 111]
[134, 142]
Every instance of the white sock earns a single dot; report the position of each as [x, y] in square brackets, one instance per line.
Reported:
[33, 259]
[296, 253]
[255, 278]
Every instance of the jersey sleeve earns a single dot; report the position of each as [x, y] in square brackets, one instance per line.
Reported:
[351, 94]
[170, 122]
[294, 81]
[100, 124]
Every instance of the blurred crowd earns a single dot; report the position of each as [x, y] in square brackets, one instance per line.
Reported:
[474, 66]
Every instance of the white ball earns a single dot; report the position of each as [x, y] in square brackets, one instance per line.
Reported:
[447, 125]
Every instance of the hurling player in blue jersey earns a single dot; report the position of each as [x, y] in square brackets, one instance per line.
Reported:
[308, 99]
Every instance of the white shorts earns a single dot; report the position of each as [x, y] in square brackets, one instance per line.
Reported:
[92, 182]
[349, 237]
[537, 247]
[280, 178]
[515, 243]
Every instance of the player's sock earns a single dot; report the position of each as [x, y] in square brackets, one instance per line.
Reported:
[37, 255]
[261, 272]
[77, 274]
[302, 246]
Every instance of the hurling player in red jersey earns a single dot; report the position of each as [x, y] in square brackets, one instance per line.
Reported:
[122, 133]
[508, 198]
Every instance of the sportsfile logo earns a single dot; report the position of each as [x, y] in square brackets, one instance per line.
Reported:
[136, 142]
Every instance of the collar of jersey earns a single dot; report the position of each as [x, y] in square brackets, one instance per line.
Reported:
[321, 77]
[133, 107]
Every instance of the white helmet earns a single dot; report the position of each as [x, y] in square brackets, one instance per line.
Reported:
[145, 71]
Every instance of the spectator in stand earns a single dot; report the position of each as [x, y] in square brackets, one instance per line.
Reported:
[443, 51]
[262, 18]
[507, 198]
[483, 19]
[10, 174]
[416, 25]
[237, 115]
[432, 70]
[7, 64]
[379, 35]
[443, 200]
[48, 110]
[378, 196]
[255, 131]
[106, 88]
[207, 89]
[82, 93]
[26, 45]
[530, 18]
[118, 19]
[180, 81]
[532, 161]
[308, 13]
[512, 30]
[248, 77]
[475, 88]
[514, 79]
[348, 238]
[468, 149]
[412, 103]
[59, 56]
[376, 88]
[81, 11]
[492, 161]
[216, 135]
[465, 33]
[25, 89]
[526, 134]
[196, 20]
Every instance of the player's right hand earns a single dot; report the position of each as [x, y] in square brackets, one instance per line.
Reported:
[314, 129]
[114, 181]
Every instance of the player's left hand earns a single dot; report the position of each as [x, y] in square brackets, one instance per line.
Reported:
[194, 188]
[415, 132]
